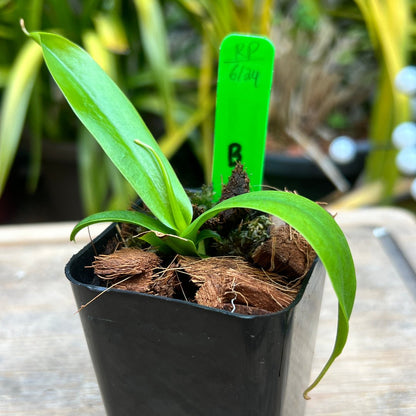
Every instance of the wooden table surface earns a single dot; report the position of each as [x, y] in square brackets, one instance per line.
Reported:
[45, 367]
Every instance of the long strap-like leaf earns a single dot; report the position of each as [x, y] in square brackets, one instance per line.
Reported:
[128, 217]
[323, 234]
[113, 121]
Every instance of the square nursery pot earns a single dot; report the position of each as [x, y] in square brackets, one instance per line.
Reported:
[159, 356]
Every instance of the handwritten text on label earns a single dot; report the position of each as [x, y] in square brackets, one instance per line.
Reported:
[241, 72]
[245, 52]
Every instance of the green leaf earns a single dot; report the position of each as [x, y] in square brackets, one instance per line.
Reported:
[15, 104]
[320, 230]
[113, 121]
[154, 36]
[128, 217]
[175, 243]
[169, 188]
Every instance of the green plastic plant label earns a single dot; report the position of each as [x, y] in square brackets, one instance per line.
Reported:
[243, 93]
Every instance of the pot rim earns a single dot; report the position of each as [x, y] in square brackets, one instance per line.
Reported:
[99, 289]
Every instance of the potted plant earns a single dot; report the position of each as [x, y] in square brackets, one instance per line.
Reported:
[223, 353]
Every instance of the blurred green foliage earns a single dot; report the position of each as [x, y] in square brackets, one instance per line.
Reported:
[130, 41]
[392, 30]
[163, 54]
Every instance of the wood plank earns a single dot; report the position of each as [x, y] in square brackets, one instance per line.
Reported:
[41, 233]
[44, 363]
[375, 374]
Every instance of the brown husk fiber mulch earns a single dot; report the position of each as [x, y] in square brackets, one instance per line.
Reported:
[285, 252]
[128, 268]
[225, 282]
[229, 283]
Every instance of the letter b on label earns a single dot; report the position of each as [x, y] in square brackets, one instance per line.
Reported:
[234, 154]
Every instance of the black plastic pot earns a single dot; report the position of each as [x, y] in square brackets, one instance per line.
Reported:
[167, 357]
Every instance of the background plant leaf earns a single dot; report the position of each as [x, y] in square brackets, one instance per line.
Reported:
[113, 121]
[154, 39]
[15, 104]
